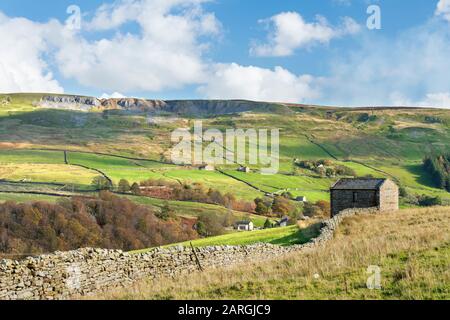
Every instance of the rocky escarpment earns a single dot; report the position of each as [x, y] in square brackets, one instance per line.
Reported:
[86, 271]
[133, 104]
[218, 107]
[184, 107]
[67, 102]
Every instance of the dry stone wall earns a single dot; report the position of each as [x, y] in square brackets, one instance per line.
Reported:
[86, 271]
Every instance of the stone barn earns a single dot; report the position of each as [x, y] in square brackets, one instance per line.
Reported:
[364, 193]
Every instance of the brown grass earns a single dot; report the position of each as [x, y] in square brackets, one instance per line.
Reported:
[411, 247]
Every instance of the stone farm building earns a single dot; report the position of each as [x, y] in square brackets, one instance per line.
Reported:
[207, 167]
[364, 193]
[245, 226]
[244, 169]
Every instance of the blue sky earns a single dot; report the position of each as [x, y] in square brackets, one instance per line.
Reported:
[306, 51]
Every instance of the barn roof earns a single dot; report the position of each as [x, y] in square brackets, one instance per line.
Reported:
[358, 184]
[246, 223]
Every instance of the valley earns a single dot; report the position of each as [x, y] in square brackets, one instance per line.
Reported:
[52, 147]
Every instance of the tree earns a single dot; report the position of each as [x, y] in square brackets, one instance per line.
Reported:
[229, 219]
[267, 224]
[124, 186]
[324, 206]
[101, 183]
[166, 212]
[439, 168]
[281, 206]
[311, 210]
[403, 192]
[201, 229]
[136, 189]
[427, 201]
[261, 209]
[210, 225]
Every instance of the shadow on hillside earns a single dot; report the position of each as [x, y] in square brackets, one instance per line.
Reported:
[421, 176]
[300, 237]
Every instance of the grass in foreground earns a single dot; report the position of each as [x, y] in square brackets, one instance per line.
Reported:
[412, 248]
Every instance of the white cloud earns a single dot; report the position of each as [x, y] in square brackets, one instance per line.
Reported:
[443, 9]
[167, 53]
[114, 95]
[233, 81]
[408, 70]
[289, 31]
[441, 100]
[22, 66]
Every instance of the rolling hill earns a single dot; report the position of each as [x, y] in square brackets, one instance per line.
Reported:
[381, 142]
[52, 146]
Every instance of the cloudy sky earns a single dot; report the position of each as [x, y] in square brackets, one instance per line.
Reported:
[305, 51]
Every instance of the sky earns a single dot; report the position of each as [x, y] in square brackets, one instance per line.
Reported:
[329, 52]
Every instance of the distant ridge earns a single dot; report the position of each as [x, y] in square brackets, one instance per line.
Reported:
[189, 106]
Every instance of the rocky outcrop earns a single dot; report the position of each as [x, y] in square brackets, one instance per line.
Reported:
[220, 107]
[67, 102]
[132, 104]
[85, 271]
[184, 107]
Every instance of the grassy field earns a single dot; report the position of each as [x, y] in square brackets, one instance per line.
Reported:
[411, 247]
[31, 156]
[51, 173]
[312, 187]
[17, 197]
[194, 209]
[279, 236]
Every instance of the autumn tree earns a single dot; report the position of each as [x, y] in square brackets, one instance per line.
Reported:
[281, 206]
[124, 186]
[268, 224]
[102, 183]
[136, 189]
[262, 207]
[324, 206]
[166, 212]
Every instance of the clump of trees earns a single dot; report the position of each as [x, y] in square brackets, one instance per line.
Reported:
[280, 206]
[102, 183]
[195, 192]
[209, 225]
[321, 208]
[326, 168]
[428, 201]
[106, 221]
[439, 169]
[124, 186]
[419, 200]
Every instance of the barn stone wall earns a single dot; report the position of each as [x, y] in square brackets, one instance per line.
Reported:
[343, 199]
[389, 196]
[63, 275]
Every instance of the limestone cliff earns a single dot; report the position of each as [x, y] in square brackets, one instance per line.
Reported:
[69, 102]
[185, 107]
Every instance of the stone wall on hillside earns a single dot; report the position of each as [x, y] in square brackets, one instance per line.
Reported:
[86, 271]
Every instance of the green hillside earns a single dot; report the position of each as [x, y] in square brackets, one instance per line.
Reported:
[135, 145]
